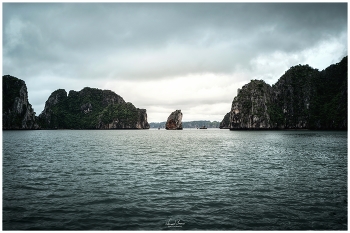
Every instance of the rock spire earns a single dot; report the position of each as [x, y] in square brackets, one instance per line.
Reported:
[174, 121]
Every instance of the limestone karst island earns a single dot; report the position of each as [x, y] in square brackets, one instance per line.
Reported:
[90, 108]
[303, 98]
[174, 121]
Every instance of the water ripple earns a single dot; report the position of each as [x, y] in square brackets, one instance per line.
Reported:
[144, 180]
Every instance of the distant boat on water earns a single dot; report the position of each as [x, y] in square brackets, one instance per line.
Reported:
[203, 127]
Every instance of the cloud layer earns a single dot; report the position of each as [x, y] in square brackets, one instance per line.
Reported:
[162, 56]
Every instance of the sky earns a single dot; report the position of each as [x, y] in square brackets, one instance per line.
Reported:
[167, 56]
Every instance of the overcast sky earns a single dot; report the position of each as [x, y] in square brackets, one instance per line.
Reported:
[163, 57]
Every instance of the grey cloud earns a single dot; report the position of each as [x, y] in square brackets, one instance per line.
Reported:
[80, 35]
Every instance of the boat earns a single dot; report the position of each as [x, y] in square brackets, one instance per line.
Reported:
[203, 127]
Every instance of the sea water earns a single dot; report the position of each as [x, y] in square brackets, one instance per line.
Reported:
[178, 180]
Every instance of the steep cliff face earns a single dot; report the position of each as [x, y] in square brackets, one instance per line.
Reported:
[17, 112]
[48, 117]
[142, 122]
[331, 98]
[293, 98]
[91, 108]
[174, 121]
[225, 123]
[303, 98]
[250, 107]
[122, 116]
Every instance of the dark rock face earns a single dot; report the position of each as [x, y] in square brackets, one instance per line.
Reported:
[48, 115]
[303, 98]
[174, 121]
[225, 123]
[17, 112]
[249, 108]
[142, 119]
[292, 97]
[91, 108]
[330, 106]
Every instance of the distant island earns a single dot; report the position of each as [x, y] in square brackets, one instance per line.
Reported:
[303, 98]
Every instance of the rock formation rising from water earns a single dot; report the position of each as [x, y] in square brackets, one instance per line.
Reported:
[303, 98]
[91, 108]
[224, 124]
[17, 112]
[174, 121]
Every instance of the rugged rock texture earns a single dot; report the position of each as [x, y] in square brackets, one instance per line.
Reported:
[329, 108]
[48, 116]
[303, 98]
[292, 96]
[17, 112]
[249, 108]
[174, 121]
[225, 123]
[91, 108]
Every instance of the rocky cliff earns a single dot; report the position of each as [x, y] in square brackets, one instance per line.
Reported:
[17, 112]
[249, 108]
[303, 98]
[91, 108]
[224, 124]
[174, 121]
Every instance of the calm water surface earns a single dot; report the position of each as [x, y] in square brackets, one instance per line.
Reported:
[174, 180]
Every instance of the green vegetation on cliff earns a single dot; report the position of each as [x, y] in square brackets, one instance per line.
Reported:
[90, 108]
[303, 98]
[292, 98]
[124, 112]
[249, 107]
[331, 97]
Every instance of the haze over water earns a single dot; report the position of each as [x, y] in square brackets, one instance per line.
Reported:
[185, 180]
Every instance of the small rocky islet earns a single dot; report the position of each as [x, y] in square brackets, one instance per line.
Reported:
[174, 121]
[303, 98]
